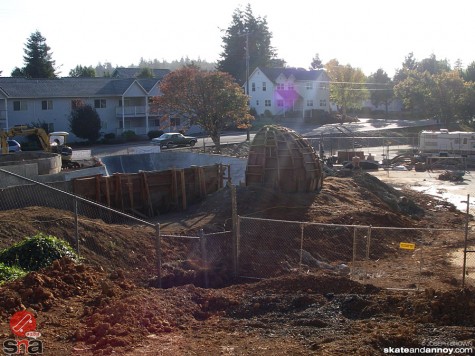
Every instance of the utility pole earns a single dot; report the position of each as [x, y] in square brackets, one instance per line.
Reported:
[248, 135]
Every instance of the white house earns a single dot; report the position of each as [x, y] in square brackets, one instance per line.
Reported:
[122, 101]
[284, 90]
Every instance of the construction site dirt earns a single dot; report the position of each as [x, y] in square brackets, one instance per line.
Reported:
[109, 303]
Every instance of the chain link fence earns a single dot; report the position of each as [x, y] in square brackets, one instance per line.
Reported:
[380, 147]
[90, 228]
[386, 257]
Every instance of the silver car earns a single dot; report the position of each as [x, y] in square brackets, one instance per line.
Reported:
[13, 146]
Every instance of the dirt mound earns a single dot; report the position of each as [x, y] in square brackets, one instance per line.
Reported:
[106, 305]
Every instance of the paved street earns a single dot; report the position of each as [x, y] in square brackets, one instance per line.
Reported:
[306, 130]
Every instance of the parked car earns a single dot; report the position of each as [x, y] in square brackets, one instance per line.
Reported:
[13, 146]
[172, 139]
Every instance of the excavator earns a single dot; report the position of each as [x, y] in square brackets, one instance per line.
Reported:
[54, 142]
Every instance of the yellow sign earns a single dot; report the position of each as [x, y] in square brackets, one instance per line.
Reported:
[407, 246]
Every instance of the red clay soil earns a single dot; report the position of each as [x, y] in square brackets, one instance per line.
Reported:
[110, 303]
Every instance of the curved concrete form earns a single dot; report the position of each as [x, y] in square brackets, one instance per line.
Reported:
[47, 163]
[282, 159]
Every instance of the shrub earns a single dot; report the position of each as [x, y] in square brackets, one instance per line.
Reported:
[154, 133]
[129, 135]
[267, 113]
[109, 136]
[36, 252]
[9, 273]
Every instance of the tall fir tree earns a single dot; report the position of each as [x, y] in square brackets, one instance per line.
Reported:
[247, 39]
[37, 59]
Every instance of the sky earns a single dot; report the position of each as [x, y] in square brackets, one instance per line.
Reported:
[366, 34]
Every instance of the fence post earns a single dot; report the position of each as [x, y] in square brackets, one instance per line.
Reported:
[368, 249]
[352, 271]
[421, 263]
[158, 249]
[76, 224]
[235, 229]
[301, 245]
[467, 219]
[204, 256]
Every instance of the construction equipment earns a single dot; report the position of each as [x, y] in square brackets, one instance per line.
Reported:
[54, 142]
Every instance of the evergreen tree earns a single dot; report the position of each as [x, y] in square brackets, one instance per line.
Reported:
[37, 58]
[246, 39]
[82, 72]
[316, 62]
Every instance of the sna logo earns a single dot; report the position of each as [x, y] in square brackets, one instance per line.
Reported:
[23, 324]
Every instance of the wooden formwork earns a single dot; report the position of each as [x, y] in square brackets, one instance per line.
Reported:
[149, 193]
[282, 159]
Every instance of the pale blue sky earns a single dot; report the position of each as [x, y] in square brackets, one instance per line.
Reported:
[368, 34]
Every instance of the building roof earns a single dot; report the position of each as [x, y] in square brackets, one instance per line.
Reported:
[122, 72]
[298, 73]
[70, 87]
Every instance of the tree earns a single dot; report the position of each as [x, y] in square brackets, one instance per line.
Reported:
[381, 89]
[145, 73]
[467, 105]
[433, 65]
[246, 34]
[469, 73]
[38, 61]
[85, 123]
[212, 100]
[439, 95]
[347, 86]
[409, 64]
[414, 91]
[316, 62]
[104, 70]
[447, 94]
[82, 72]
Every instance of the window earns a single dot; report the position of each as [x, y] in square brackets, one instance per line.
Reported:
[323, 102]
[47, 105]
[103, 125]
[280, 86]
[280, 103]
[99, 103]
[267, 103]
[76, 104]
[323, 86]
[465, 141]
[50, 126]
[290, 87]
[309, 102]
[257, 102]
[253, 86]
[174, 121]
[264, 86]
[309, 85]
[20, 105]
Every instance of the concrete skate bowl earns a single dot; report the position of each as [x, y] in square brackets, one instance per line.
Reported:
[174, 159]
[281, 159]
[39, 163]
